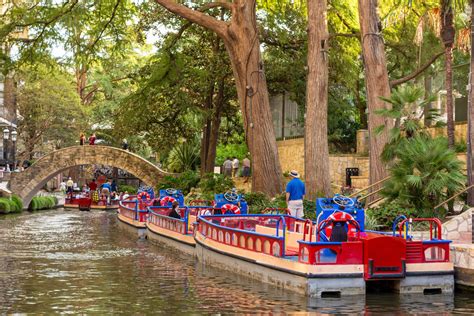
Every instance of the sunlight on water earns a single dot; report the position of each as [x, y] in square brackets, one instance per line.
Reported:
[83, 262]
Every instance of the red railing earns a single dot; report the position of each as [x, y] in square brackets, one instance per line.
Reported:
[425, 251]
[159, 216]
[321, 253]
[133, 212]
[231, 230]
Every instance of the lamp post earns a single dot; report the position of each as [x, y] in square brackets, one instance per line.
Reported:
[6, 135]
[14, 135]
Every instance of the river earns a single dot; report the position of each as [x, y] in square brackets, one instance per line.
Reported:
[62, 261]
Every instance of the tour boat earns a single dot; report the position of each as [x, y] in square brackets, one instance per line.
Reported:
[179, 232]
[90, 200]
[332, 256]
[133, 213]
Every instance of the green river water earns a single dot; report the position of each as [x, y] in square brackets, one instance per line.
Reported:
[71, 262]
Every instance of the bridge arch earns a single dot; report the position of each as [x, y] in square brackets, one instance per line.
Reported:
[27, 183]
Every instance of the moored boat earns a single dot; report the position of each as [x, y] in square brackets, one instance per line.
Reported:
[133, 213]
[333, 256]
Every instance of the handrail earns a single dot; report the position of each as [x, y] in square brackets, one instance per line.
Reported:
[310, 230]
[374, 202]
[369, 187]
[370, 194]
[454, 196]
[430, 220]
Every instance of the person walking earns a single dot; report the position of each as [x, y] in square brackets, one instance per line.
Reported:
[235, 167]
[246, 169]
[106, 190]
[295, 192]
[125, 144]
[227, 167]
[82, 139]
[92, 139]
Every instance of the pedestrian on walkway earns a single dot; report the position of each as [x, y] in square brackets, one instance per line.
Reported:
[295, 192]
[227, 167]
[92, 139]
[125, 144]
[82, 139]
[235, 167]
[246, 169]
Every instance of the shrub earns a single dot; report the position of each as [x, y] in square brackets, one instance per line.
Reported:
[42, 203]
[384, 214]
[425, 173]
[215, 183]
[17, 203]
[230, 150]
[5, 206]
[129, 188]
[183, 182]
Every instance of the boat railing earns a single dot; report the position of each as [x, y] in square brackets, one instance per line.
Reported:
[132, 212]
[236, 231]
[197, 210]
[179, 225]
[423, 251]
[321, 253]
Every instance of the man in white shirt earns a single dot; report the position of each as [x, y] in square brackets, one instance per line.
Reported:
[235, 167]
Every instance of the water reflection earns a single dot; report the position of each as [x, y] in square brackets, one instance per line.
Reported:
[82, 262]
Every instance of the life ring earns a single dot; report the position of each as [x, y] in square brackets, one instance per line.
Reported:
[341, 217]
[143, 194]
[230, 207]
[166, 200]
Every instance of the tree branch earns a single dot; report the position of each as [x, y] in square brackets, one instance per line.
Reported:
[198, 17]
[112, 16]
[417, 72]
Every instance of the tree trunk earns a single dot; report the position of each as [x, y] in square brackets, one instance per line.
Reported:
[318, 179]
[361, 106]
[206, 131]
[241, 41]
[216, 123]
[449, 95]
[429, 106]
[447, 36]
[470, 118]
[377, 85]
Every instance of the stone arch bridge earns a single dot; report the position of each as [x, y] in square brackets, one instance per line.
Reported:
[27, 183]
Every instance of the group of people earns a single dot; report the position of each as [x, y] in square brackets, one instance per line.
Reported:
[231, 168]
[82, 139]
[108, 189]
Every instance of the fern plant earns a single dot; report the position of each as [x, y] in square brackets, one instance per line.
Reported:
[407, 110]
[424, 174]
[184, 156]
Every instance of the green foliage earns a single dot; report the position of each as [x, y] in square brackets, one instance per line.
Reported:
[215, 183]
[184, 182]
[424, 174]
[184, 156]
[460, 147]
[382, 217]
[42, 203]
[230, 150]
[51, 109]
[128, 188]
[18, 202]
[11, 205]
[5, 206]
[407, 103]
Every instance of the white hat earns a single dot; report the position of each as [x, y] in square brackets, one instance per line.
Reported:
[294, 174]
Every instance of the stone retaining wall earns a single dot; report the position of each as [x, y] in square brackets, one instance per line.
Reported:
[459, 228]
[291, 154]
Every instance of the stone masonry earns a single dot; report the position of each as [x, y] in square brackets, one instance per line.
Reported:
[27, 183]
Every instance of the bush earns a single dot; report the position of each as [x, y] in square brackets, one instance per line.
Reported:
[17, 204]
[5, 206]
[215, 183]
[184, 182]
[42, 203]
[129, 188]
[230, 150]
[384, 215]
[425, 173]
